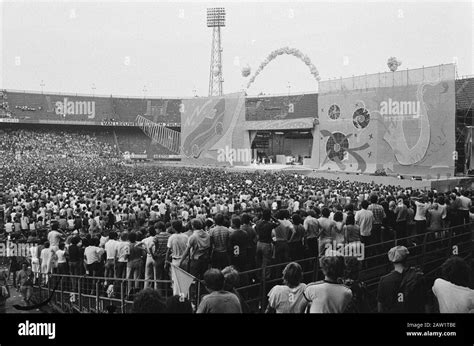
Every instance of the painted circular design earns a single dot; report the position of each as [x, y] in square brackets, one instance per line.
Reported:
[337, 146]
[334, 112]
[361, 118]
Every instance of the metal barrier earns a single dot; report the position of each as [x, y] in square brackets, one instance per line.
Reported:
[74, 293]
[457, 240]
[88, 294]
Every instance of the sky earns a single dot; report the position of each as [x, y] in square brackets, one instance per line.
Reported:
[153, 48]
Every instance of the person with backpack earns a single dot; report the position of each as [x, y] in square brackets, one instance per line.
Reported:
[403, 289]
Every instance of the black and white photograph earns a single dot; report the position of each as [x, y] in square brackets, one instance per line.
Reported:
[168, 166]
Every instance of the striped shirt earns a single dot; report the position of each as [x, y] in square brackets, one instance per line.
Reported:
[220, 238]
[379, 213]
[160, 244]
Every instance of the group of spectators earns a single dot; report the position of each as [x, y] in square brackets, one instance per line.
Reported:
[83, 214]
[403, 290]
[41, 143]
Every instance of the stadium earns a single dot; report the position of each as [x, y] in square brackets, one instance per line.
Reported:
[109, 202]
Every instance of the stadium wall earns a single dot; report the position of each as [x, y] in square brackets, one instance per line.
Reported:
[30, 107]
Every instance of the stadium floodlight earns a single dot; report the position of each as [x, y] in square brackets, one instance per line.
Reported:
[216, 20]
[216, 17]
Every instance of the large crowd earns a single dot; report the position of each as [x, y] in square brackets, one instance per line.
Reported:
[85, 215]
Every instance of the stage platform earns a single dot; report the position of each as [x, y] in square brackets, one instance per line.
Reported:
[443, 184]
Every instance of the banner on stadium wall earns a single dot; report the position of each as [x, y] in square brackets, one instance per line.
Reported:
[166, 157]
[9, 120]
[271, 108]
[402, 122]
[34, 107]
[212, 130]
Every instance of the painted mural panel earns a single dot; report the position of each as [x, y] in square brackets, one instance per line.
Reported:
[212, 130]
[406, 129]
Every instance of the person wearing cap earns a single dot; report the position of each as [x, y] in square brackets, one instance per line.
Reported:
[392, 296]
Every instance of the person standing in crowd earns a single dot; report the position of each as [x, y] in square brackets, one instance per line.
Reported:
[159, 251]
[434, 218]
[297, 237]
[312, 232]
[93, 257]
[379, 216]
[264, 228]
[239, 243]
[150, 267]
[218, 300]
[252, 236]
[360, 295]
[110, 248]
[24, 281]
[465, 204]
[281, 235]
[54, 237]
[364, 218]
[289, 297]
[177, 244]
[328, 232]
[220, 246]
[123, 253]
[13, 265]
[452, 289]
[329, 295]
[403, 289]
[47, 259]
[198, 248]
[135, 262]
[231, 280]
[401, 215]
[35, 262]
[4, 291]
[351, 231]
[75, 257]
[422, 207]
[62, 261]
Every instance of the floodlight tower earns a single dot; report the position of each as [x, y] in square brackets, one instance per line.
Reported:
[216, 20]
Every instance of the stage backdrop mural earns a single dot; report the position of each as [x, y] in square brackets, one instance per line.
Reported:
[212, 130]
[401, 122]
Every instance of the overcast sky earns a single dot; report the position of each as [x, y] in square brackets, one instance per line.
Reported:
[121, 47]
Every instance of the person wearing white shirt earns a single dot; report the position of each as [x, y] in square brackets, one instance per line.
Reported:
[111, 256]
[123, 251]
[61, 261]
[150, 267]
[452, 290]
[47, 260]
